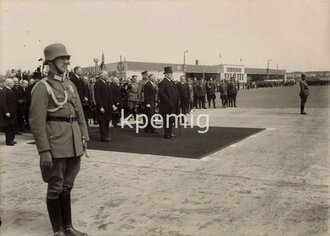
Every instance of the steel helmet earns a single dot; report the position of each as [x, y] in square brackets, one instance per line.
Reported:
[54, 51]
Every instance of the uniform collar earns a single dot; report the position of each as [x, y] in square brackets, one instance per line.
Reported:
[53, 76]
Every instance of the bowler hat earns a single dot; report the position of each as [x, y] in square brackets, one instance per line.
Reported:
[168, 69]
[54, 51]
[144, 72]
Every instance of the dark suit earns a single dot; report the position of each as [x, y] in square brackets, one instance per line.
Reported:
[169, 104]
[8, 105]
[117, 101]
[150, 92]
[22, 109]
[103, 98]
[79, 83]
[83, 92]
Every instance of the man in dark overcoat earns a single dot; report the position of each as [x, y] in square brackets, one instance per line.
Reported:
[168, 102]
[150, 93]
[184, 93]
[8, 111]
[78, 79]
[117, 101]
[104, 105]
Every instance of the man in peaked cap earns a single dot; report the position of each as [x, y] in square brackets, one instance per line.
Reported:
[168, 102]
[58, 125]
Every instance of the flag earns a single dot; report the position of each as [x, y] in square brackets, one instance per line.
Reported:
[102, 66]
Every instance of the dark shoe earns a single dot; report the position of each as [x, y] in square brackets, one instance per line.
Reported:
[173, 135]
[14, 142]
[10, 144]
[55, 215]
[303, 113]
[70, 231]
[109, 139]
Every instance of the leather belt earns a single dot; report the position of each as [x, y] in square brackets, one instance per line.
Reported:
[62, 119]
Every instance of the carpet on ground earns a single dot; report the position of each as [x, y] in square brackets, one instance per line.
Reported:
[189, 144]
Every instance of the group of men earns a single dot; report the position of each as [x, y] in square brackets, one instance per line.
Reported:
[57, 117]
[15, 100]
[228, 93]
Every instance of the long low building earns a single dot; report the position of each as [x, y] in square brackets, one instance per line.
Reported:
[124, 69]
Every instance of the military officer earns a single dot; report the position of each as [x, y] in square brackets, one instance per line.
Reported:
[304, 93]
[58, 125]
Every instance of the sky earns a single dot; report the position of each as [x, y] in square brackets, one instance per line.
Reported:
[294, 35]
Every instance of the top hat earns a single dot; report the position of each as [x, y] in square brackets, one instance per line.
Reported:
[54, 51]
[144, 72]
[168, 69]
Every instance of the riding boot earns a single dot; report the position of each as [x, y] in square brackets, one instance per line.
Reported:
[55, 216]
[302, 110]
[67, 220]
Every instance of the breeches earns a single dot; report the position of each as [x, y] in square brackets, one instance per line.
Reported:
[62, 176]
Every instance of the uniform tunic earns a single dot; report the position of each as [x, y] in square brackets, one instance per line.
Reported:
[63, 139]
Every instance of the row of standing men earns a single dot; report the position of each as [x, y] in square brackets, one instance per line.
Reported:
[104, 98]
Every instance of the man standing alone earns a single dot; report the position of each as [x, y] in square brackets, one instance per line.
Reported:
[58, 125]
[304, 92]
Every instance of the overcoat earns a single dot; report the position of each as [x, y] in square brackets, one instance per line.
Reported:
[63, 139]
[103, 98]
[150, 92]
[116, 95]
[168, 97]
[79, 83]
[8, 103]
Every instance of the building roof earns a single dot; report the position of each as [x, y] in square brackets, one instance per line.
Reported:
[263, 71]
[190, 68]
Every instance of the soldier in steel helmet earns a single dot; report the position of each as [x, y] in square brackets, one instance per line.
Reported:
[58, 125]
[304, 93]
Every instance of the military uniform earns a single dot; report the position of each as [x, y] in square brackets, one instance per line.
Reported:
[304, 93]
[58, 125]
